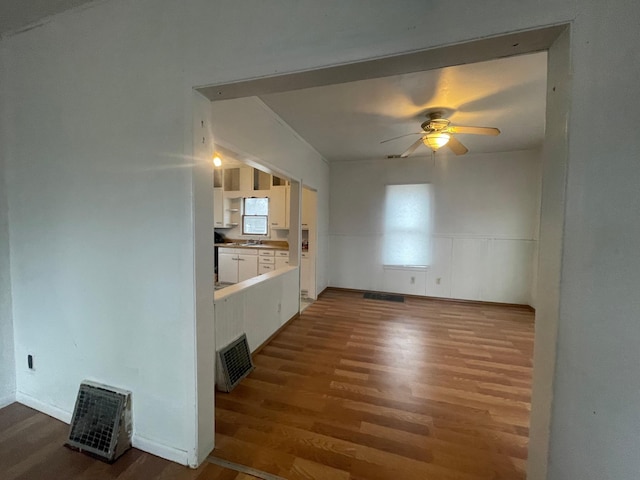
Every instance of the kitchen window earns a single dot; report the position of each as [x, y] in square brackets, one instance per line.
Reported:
[256, 215]
[407, 225]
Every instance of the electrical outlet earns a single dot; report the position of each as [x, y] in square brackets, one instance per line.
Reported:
[279, 307]
[413, 280]
[438, 281]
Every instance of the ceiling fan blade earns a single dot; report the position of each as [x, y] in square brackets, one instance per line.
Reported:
[474, 130]
[412, 148]
[400, 136]
[456, 147]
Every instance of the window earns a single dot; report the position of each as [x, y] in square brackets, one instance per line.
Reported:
[407, 225]
[255, 218]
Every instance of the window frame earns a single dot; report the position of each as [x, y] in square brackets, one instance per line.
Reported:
[392, 235]
[255, 216]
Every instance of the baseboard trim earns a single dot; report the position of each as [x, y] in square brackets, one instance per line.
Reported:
[138, 441]
[51, 410]
[160, 450]
[273, 335]
[440, 299]
[8, 400]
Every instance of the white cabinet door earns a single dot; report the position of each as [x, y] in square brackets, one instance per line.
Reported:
[282, 262]
[305, 267]
[278, 214]
[227, 268]
[218, 207]
[265, 268]
[308, 209]
[247, 266]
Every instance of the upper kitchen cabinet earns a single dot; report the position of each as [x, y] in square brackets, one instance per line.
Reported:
[261, 180]
[218, 208]
[279, 182]
[237, 179]
[231, 178]
[218, 178]
[308, 209]
[279, 208]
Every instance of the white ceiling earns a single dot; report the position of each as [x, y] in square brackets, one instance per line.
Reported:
[18, 14]
[348, 121]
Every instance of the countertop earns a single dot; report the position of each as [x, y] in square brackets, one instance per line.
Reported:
[262, 246]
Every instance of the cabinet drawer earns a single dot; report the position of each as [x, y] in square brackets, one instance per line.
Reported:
[267, 260]
[247, 251]
[266, 253]
[265, 268]
[282, 253]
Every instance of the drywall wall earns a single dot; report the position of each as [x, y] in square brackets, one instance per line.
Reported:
[597, 375]
[204, 272]
[485, 209]
[97, 193]
[7, 359]
[101, 220]
[549, 266]
[258, 309]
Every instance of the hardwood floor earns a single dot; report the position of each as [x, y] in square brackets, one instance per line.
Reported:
[369, 389]
[353, 389]
[31, 448]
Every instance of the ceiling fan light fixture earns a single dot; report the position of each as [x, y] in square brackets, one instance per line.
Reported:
[436, 140]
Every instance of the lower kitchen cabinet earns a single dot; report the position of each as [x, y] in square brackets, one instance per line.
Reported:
[270, 260]
[236, 265]
[282, 260]
[247, 266]
[227, 266]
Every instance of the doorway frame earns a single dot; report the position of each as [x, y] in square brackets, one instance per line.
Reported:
[555, 39]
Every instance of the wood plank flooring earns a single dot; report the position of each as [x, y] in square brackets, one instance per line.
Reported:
[31, 448]
[353, 389]
[369, 389]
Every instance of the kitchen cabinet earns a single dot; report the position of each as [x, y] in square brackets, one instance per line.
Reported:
[279, 208]
[261, 180]
[236, 264]
[218, 208]
[231, 179]
[247, 266]
[270, 260]
[218, 175]
[232, 209]
[282, 259]
[308, 209]
[227, 266]
[266, 261]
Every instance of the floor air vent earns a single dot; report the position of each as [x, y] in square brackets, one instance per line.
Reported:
[384, 296]
[101, 423]
[234, 363]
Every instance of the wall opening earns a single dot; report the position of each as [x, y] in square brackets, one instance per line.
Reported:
[554, 39]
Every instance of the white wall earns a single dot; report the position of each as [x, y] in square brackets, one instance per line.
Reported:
[7, 359]
[485, 209]
[258, 309]
[99, 208]
[100, 212]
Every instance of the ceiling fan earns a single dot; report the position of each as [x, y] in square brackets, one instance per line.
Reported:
[438, 132]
